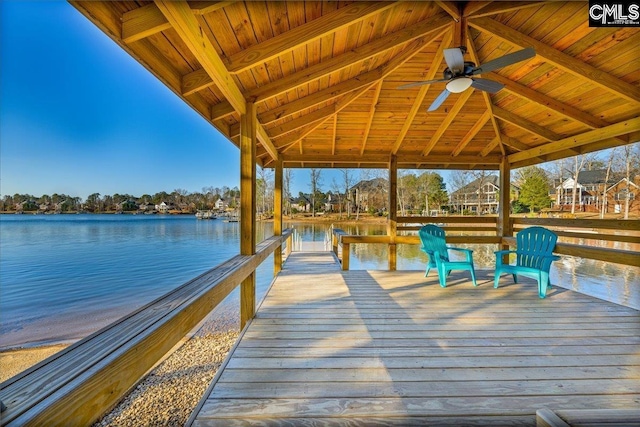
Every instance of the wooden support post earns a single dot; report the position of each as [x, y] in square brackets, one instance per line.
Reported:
[504, 208]
[248, 209]
[277, 214]
[392, 223]
[345, 256]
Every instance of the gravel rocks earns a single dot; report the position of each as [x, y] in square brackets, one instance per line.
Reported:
[169, 393]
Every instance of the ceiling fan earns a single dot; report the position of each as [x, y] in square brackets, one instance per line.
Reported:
[459, 73]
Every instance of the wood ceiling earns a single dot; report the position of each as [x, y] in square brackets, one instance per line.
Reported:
[324, 77]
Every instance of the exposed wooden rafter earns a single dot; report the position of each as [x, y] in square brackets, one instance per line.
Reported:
[186, 26]
[359, 83]
[495, 7]
[417, 103]
[348, 58]
[303, 34]
[268, 91]
[462, 99]
[471, 48]
[559, 59]
[383, 158]
[611, 131]
[372, 112]
[525, 124]
[323, 77]
[472, 133]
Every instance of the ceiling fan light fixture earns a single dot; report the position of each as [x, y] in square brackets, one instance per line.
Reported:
[459, 85]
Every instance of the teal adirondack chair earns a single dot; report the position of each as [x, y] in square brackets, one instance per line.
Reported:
[534, 255]
[433, 244]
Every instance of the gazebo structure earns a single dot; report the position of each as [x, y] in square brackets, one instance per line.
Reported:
[321, 84]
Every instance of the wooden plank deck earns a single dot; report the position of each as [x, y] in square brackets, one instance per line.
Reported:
[331, 347]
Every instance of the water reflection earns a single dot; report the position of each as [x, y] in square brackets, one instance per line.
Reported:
[608, 281]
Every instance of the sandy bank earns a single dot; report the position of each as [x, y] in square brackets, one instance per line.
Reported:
[169, 393]
[13, 362]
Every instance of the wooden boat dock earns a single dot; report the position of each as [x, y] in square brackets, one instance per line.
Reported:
[332, 347]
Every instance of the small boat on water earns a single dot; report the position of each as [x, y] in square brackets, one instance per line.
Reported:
[205, 215]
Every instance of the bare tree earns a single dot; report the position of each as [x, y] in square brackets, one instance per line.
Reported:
[347, 183]
[287, 177]
[315, 183]
[264, 189]
[603, 207]
[335, 188]
[558, 172]
[458, 180]
[630, 161]
[578, 164]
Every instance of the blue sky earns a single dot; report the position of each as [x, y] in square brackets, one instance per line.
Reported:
[78, 115]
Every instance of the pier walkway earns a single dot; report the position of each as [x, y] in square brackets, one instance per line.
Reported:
[332, 347]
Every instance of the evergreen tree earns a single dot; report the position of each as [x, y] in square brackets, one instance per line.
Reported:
[534, 188]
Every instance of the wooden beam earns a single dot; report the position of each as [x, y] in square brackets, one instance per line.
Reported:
[392, 223]
[372, 112]
[334, 134]
[504, 205]
[611, 131]
[497, 7]
[266, 142]
[195, 81]
[277, 213]
[559, 59]
[221, 110]
[361, 82]
[303, 34]
[489, 148]
[205, 7]
[248, 208]
[525, 124]
[417, 103]
[322, 96]
[600, 145]
[186, 26]
[347, 59]
[463, 97]
[403, 159]
[473, 6]
[143, 22]
[451, 8]
[548, 102]
[477, 126]
[302, 121]
[513, 143]
[473, 53]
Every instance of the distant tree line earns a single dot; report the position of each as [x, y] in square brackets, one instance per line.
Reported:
[181, 199]
[533, 189]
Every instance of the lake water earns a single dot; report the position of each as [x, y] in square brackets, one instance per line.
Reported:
[64, 276]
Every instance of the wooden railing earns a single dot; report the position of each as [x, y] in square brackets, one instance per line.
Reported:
[588, 229]
[484, 231]
[77, 385]
[471, 224]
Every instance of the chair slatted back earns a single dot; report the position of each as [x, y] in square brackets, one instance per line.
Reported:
[533, 242]
[433, 239]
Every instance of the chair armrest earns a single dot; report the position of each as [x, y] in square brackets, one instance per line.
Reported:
[504, 252]
[461, 249]
[468, 252]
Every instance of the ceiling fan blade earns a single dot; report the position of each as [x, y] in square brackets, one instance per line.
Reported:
[426, 82]
[439, 100]
[505, 60]
[486, 85]
[455, 61]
